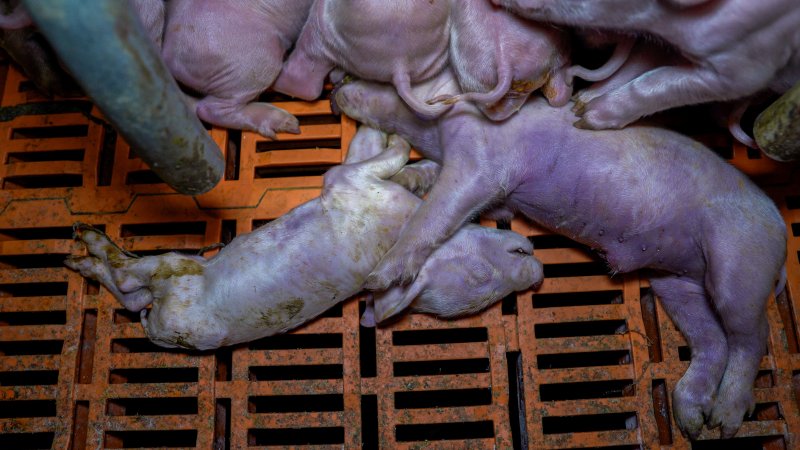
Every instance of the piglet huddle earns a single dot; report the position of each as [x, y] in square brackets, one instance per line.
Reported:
[456, 80]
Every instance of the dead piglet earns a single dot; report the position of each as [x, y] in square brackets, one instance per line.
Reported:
[645, 197]
[450, 285]
[736, 48]
[231, 51]
[301, 264]
[500, 59]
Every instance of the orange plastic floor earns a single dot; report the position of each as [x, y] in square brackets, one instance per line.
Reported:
[588, 360]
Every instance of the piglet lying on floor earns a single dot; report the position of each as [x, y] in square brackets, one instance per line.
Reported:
[229, 52]
[644, 197]
[316, 255]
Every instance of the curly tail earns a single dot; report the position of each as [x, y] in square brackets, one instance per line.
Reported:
[426, 110]
[621, 53]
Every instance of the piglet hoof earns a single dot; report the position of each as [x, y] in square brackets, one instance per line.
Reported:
[78, 228]
[732, 404]
[290, 124]
[602, 113]
[443, 99]
[83, 264]
[690, 408]
[581, 124]
[579, 107]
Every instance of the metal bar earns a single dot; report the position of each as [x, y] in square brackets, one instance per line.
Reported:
[105, 48]
[777, 128]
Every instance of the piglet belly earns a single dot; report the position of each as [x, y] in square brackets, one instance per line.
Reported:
[269, 289]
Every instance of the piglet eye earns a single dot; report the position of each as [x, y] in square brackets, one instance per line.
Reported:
[521, 251]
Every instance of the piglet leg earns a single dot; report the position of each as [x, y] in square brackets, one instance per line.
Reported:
[94, 268]
[263, 118]
[689, 308]
[304, 71]
[741, 304]
[367, 143]
[459, 193]
[417, 178]
[660, 89]
[125, 276]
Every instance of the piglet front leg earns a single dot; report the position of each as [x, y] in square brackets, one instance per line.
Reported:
[459, 193]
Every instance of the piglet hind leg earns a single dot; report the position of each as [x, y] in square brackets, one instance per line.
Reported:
[369, 142]
[689, 308]
[124, 275]
[263, 118]
[741, 304]
[381, 166]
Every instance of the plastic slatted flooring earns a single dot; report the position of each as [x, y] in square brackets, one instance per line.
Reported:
[588, 360]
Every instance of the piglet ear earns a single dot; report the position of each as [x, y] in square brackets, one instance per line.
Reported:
[395, 300]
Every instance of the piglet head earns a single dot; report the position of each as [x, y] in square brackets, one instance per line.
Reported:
[474, 269]
[510, 256]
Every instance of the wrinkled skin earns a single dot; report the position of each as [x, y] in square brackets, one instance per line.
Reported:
[299, 265]
[644, 197]
[500, 59]
[737, 48]
[228, 51]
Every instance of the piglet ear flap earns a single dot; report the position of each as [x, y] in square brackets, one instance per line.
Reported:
[368, 318]
[395, 300]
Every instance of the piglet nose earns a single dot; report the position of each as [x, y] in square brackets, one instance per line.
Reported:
[537, 271]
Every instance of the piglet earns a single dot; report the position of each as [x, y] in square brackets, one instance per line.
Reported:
[498, 58]
[643, 197]
[299, 265]
[229, 52]
[736, 48]
[502, 59]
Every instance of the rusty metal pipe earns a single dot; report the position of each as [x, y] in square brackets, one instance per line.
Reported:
[106, 49]
[777, 128]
